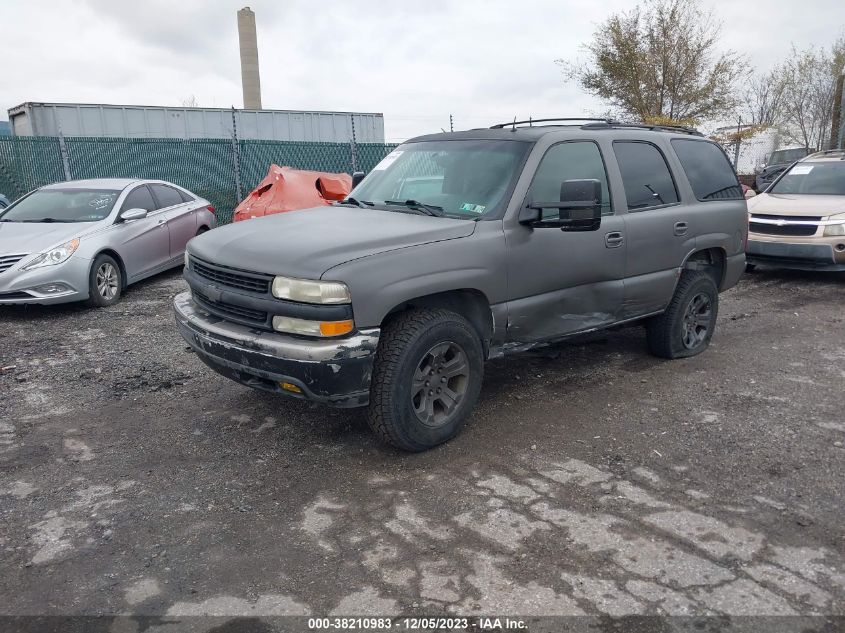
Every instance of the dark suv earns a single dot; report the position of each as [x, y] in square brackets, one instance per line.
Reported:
[466, 246]
[776, 163]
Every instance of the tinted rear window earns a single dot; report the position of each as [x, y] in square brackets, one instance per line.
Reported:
[707, 168]
[166, 196]
[645, 174]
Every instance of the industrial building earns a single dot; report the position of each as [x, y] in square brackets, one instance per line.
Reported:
[128, 121]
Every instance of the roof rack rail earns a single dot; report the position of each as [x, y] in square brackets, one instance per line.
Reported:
[826, 152]
[684, 129]
[514, 123]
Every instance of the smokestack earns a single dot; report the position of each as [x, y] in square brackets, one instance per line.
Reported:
[250, 77]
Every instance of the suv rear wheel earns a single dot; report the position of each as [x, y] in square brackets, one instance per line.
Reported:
[687, 325]
[426, 378]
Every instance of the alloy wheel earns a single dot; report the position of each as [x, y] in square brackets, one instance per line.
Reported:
[697, 320]
[440, 383]
[107, 281]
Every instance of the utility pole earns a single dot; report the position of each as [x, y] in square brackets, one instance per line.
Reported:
[451, 124]
[837, 128]
[737, 141]
[236, 155]
[64, 153]
[353, 145]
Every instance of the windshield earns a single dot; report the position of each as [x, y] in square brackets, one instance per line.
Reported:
[819, 178]
[62, 205]
[787, 156]
[462, 179]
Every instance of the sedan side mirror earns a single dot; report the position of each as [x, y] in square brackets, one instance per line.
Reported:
[133, 214]
[357, 177]
[579, 208]
[750, 193]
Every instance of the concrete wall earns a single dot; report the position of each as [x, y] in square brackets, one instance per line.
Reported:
[49, 119]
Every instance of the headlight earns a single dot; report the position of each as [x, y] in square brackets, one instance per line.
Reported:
[54, 256]
[835, 230]
[312, 328]
[306, 291]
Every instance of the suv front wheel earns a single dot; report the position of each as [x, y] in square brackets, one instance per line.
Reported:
[426, 378]
[687, 325]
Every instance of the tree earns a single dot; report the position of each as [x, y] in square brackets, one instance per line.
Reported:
[809, 83]
[763, 99]
[661, 61]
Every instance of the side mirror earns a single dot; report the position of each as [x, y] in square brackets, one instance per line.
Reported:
[133, 214]
[750, 193]
[579, 208]
[357, 177]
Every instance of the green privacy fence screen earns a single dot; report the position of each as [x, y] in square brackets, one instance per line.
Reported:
[211, 168]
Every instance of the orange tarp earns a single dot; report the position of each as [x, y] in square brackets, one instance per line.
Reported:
[287, 189]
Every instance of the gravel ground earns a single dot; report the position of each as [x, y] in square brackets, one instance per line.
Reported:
[592, 479]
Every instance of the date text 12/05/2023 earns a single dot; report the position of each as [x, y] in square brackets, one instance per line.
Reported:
[376, 624]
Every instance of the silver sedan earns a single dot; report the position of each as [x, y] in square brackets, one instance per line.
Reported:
[89, 239]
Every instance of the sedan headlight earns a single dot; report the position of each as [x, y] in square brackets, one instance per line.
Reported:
[307, 291]
[54, 256]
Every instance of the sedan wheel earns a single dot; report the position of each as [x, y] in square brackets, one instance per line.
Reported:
[107, 280]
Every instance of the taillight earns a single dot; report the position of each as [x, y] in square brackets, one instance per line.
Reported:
[210, 208]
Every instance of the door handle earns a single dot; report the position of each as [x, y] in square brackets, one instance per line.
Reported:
[681, 228]
[614, 239]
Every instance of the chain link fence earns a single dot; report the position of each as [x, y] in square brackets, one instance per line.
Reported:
[223, 171]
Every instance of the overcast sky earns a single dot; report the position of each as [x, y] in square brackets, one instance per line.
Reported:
[483, 61]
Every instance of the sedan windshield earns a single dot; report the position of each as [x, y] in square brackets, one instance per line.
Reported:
[457, 179]
[819, 178]
[62, 205]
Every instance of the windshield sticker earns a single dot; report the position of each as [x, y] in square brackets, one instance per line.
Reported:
[102, 202]
[388, 160]
[473, 208]
[800, 170]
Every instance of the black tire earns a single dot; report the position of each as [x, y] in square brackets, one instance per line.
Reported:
[687, 325]
[750, 267]
[105, 282]
[417, 348]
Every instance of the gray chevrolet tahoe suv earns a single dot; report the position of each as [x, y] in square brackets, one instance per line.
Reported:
[459, 247]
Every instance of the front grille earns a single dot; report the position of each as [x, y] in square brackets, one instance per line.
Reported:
[7, 261]
[232, 277]
[795, 230]
[224, 309]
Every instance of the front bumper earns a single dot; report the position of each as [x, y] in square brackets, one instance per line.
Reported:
[21, 286]
[797, 255]
[336, 372]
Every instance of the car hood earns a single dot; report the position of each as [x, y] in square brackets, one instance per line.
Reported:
[308, 242]
[18, 238]
[796, 204]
